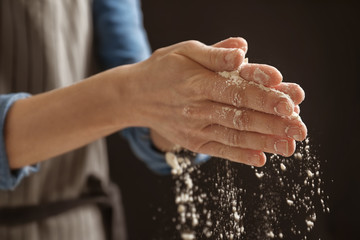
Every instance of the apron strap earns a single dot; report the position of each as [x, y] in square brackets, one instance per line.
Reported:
[107, 199]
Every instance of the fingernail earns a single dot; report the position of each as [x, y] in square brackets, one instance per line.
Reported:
[244, 48]
[260, 76]
[231, 56]
[284, 108]
[294, 132]
[282, 147]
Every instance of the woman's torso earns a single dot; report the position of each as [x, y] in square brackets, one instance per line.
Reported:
[47, 44]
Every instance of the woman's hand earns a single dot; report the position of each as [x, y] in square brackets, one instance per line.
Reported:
[178, 93]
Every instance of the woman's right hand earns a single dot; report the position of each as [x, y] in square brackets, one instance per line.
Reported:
[178, 93]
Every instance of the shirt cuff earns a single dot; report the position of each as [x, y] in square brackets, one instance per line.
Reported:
[9, 179]
[142, 146]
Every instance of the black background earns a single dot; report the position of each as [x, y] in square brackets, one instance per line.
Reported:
[313, 43]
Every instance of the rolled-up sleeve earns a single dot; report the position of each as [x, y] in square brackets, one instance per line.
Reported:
[142, 146]
[9, 179]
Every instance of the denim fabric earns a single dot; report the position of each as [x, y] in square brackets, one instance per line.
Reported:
[119, 39]
[119, 33]
[140, 142]
[9, 179]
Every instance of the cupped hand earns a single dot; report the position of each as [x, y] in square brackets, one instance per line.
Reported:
[178, 93]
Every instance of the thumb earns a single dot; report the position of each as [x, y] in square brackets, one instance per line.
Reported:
[233, 42]
[214, 58]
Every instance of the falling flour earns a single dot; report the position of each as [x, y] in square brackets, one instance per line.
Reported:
[196, 218]
[286, 190]
[232, 203]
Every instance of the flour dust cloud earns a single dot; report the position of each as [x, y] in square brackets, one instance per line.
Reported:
[281, 200]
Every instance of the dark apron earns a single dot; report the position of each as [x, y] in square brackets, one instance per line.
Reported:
[107, 199]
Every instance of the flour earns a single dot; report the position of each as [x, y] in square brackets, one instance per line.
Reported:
[270, 234]
[297, 180]
[224, 112]
[186, 196]
[298, 156]
[233, 78]
[188, 235]
[293, 116]
[282, 167]
[309, 173]
[260, 75]
[223, 213]
[236, 118]
[171, 159]
[285, 188]
[259, 174]
[290, 202]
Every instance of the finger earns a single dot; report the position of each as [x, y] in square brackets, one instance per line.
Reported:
[297, 109]
[295, 92]
[250, 140]
[214, 58]
[261, 73]
[246, 156]
[253, 121]
[233, 42]
[247, 94]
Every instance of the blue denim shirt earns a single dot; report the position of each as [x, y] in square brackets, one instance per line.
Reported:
[9, 179]
[120, 39]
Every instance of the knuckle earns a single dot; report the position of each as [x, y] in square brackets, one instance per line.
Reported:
[203, 90]
[197, 115]
[271, 124]
[243, 120]
[190, 112]
[217, 57]
[222, 113]
[191, 44]
[198, 87]
[237, 99]
[223, 150]
[237, 118]
[213, 57]
[174, 59]
[261, 100]
[264, 143]
[235, 139]
[160, 52]
[237, 96]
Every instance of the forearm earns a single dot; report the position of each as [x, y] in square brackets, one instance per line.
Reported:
[52, 123]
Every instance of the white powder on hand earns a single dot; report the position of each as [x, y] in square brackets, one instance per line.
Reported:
[283, 181]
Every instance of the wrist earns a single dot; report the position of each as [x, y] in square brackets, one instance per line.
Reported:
[134, 104]
[118, 94]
